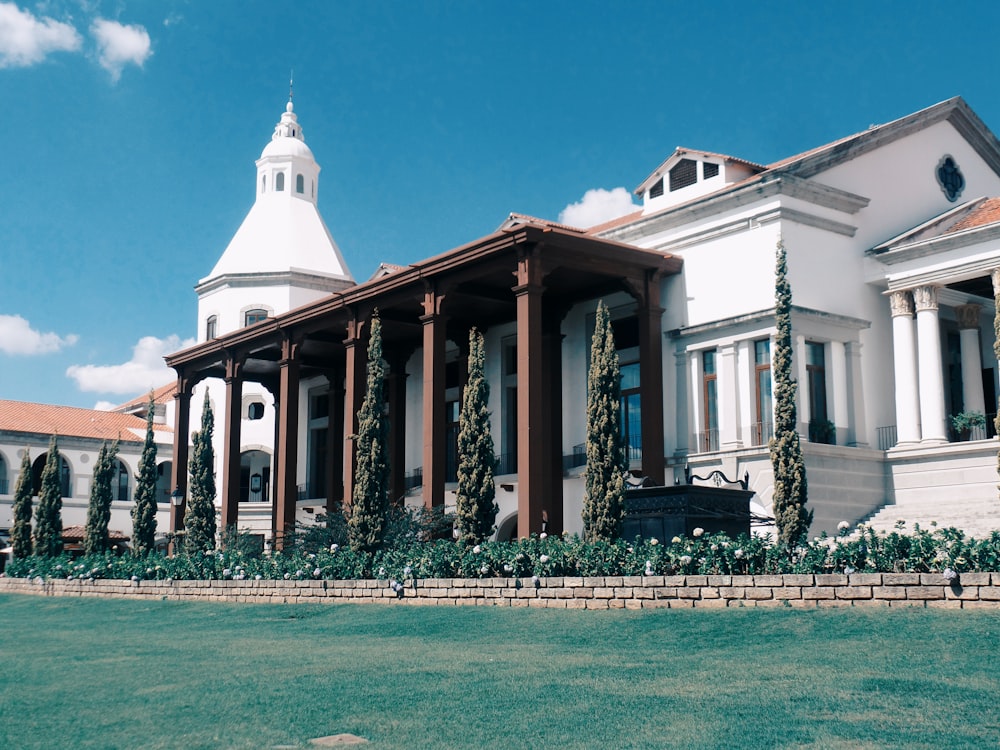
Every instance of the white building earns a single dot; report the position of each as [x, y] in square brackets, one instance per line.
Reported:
[893, 244]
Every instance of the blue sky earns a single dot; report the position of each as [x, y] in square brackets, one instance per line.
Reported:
[132, 130]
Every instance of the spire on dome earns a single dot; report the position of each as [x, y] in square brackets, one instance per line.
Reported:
[288, 126]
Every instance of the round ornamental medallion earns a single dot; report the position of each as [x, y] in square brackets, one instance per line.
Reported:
[950, 178]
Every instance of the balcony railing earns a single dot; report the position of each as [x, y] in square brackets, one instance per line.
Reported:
[885, 437]
[760, 433]
[707, 441]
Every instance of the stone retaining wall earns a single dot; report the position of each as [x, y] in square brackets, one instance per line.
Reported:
[609, 592]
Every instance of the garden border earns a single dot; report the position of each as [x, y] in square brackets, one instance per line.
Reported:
[968, 591]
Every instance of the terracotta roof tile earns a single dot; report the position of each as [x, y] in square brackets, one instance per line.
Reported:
[611, 224]
[987, 212]
[162, 395]
[70, 421]
[516, 218]
[76, 534]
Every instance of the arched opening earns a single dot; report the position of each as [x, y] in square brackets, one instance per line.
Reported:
[507, 530]
[38, 466]
[120, 484]
[164, 474]
[279, 182]
[255, 476]
[211, 327]
[4, 489]
[254, 316]
[300, 184]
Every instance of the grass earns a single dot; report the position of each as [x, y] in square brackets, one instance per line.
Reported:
[95, 673]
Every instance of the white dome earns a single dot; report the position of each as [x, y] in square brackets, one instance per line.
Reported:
[287, 146]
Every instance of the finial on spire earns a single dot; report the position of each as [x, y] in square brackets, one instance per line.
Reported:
[291, 81]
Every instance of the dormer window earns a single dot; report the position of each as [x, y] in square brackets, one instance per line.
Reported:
[279, 182]
[709, 170]
[300, 184]
[684, 174]
[657, 189]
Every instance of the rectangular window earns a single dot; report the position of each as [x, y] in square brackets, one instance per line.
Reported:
[508, 407]
[657, 189]
[709, 170]
[684, 173]
[763, 429]
[710, 395]
[631, 410]
[318, 455]
[820, 429]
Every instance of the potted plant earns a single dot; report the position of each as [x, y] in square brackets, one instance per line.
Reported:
[822, 431]
[965, 421]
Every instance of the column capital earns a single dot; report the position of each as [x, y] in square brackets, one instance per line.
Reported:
[995, 277]
[926, 298]
[901, 303]
[968, 315]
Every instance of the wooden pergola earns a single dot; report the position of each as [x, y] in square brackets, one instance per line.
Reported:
[531, 274]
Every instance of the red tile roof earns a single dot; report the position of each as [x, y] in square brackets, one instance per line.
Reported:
[76, 534]
[70, 421]
[162, 395]
[516, 218]
[987, 212]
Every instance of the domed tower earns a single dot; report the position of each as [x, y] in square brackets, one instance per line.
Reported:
[282, 256]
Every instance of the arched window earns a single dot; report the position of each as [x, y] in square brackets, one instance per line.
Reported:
[300, 184]
[263, 183]
[4, 489]
[39, 466]
[211, 327]
[279, 181]
[119, 484]
[255, 476]
[254, 316]
[255, 410]
[163, 478]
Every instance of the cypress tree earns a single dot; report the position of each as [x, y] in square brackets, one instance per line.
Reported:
[370, 500]
[790, 488]
[144, 510]
[199, 520]
[604, 495]
[48, 515]
[95, 536]
[476, 510]
[20, 532]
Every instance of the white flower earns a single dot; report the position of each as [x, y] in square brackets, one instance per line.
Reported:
[535, 580]
[407, 571]
[477, 549]
[685, 559]
[258, 577]
[843, 526]
[484, 569]
[381, 572]
[738, 554]
[714, 548]
[949, 575]
[334, 547]
[543, 535]
[316, 573]
[654, 541]
[227, 572]
[543, 558]
[287, 576]
[135, 578]
[312, 556]
[149, 571]
[848, 570]
[698, 532]
[507, 568]
[299, 573]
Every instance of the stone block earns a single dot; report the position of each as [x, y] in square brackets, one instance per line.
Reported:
[710, 604]
[689, 592]
[952, 604]
[767, 581]
[632, 581]
[680, 603]
[819, 593]
[889, 592]
[623, 592]
[665, 592]
[709, 592]
[968, 593]
[865, 579]
[932, 579]
[925, 592]
[831, 579]
[974, 579]
[612, 581]
[593, 581]
[696, 580]
[758, 592]
[797, 579]
[572, 582]
[596, 604]
[673, 580]
[652, 581]
[583, 593]
[787, 592]
[732, 592]
[742, 580]
[633, 604]
[900, 579]
[989, 593]
[720, 580]
[642, 593]
[604, 593]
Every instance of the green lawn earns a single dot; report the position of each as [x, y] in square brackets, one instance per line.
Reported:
[123, 674]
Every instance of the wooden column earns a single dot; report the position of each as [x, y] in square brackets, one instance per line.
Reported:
[231, 448]
[552, 365]
[532, 452]
[179, 468]
[396, 396]
[651, 376]
[356, 362]
[434, 324]
[286, 447]
[335, 442]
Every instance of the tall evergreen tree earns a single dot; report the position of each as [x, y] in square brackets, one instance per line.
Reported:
[144, 509]
[95, 535]
[790, 488]
[20, 532]
[370, 500]
[199, 520]
[476, 509]
[48, 515]
[604, 494]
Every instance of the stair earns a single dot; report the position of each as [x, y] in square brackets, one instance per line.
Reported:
[976, 517]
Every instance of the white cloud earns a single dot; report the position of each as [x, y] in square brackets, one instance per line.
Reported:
[597, 206]
[104, 406]
[119, 45]
[26, 39]
[144, 371]
[18, 337]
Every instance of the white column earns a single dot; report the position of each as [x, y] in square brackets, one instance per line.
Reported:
[728, 398]
[683, 424]
[838, 376]
[972, 363]
[857, 430]
[697, 397]
[747, 395]
[904, 356]
[799, 362]
[930, 372]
